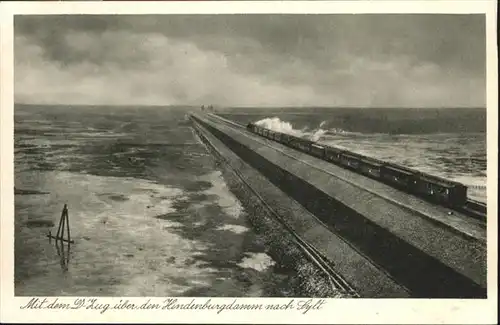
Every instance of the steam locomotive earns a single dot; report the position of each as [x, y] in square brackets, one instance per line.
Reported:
[432, 188]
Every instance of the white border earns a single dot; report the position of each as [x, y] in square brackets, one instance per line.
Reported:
[381, 311]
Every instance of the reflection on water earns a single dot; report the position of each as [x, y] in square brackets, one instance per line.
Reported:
[64, 253]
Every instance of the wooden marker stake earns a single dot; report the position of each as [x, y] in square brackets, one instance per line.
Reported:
[67, 223]
[63, 223]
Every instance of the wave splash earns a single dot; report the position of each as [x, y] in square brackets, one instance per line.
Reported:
[314, 134]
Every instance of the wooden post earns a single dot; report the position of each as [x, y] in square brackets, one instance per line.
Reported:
[67, 222]
[63, 220]
[64, 217]
[60, 240]
[63, 258]
[60, 224]
[63, 226]
[67, 256]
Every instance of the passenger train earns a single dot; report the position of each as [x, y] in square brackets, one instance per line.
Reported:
[430, 187]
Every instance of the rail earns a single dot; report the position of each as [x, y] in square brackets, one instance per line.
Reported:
[312, 253]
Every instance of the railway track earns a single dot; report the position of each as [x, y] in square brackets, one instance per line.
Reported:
[472, 208]
[475, 208]
[336, 281]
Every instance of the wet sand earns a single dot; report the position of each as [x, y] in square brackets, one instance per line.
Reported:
[137, 238]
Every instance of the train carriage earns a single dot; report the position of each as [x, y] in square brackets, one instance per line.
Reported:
[318, 150]
[426, 186]
[333, 154]
[396, 176]
[440, 190]
[370, 167]
[302, 144]
[292, 141]
[285, 138]
[349, 160]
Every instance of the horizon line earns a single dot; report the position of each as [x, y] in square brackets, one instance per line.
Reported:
[258, 107]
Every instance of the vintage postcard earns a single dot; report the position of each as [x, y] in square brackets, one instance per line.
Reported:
[249, 162]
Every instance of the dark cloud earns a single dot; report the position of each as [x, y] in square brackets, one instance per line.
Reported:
[385, 60]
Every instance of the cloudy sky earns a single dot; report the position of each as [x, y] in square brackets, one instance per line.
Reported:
[252, 60]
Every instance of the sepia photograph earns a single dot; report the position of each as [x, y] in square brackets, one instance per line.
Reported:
[301, 156]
